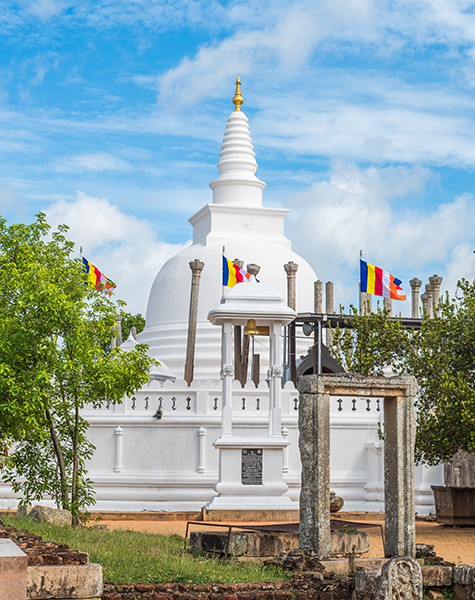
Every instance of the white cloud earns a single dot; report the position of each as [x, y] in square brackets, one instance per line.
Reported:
[461, 265]
[356, 209]
[125, 248]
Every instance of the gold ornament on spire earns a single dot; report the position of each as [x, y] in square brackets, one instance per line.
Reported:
[237, 100]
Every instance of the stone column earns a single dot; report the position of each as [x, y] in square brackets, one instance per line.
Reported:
[117, 339]
[415, 286]
[388, 306]
[399, 440]
[435, 282]
[196, 267]
[366, 303]
[424, 303]
[314, 444]
[291, 269]
[318, 297]
[275, 379]
[430, 300]
[227, 375]
[253, 269]
[329, 298]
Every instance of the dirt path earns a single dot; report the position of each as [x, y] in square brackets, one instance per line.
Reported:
[455, 544]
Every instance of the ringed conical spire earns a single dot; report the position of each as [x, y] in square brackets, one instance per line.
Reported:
[238, 99]
[237, 184]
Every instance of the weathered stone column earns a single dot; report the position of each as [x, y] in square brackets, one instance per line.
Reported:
[424, 303]
[430, 300]
[314, 444]
[196, 267]
[388, 306]
[117, 339]
[318, 297]
[399, 441]
[253, 269]
[415, 286]
[435, 282]
[291, 270]
[366, 303]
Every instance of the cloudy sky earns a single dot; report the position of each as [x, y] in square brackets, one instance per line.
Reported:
[362, 115]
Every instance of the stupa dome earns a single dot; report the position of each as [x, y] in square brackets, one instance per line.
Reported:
[249, 232]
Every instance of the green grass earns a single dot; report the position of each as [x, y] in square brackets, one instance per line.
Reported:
[132, 557]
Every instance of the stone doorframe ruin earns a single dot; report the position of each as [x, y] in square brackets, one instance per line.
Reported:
[314, 442]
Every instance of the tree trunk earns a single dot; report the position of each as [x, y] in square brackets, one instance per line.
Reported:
[60, 459]
[75, 486]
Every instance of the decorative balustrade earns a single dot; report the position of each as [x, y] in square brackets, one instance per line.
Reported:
[156, 399]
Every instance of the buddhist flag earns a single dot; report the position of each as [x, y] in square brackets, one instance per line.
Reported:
[233, 273]
[379, 282]
[96, 279]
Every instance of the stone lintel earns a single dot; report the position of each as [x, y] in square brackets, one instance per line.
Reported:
[349, 384]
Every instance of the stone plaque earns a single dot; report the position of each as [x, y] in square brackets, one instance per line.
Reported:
[251, 469]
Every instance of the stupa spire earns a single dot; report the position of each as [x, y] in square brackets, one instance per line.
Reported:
[238, 99]
[237, 184]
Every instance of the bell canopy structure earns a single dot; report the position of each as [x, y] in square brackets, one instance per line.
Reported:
[236, 220]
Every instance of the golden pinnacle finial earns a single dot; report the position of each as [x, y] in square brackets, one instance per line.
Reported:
[237, 100]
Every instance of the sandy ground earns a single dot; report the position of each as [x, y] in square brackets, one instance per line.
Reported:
[455, 544]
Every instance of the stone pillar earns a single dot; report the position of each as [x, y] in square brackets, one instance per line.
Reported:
[314, 444]
[291, 269]
[117, 332]
[435, 282]
[318, 297]
[399, 441]
[253, 269]
[275, 379]
[119, 449]
[430, 298]
[366, 303]
[415, 286]
[424, 303]
[196, 267]
[227, 375]
[388, 306]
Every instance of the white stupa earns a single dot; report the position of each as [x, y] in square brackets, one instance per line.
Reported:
[250, 232]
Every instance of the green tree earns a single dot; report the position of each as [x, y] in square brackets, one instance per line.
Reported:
[441, 355]
[52, 331]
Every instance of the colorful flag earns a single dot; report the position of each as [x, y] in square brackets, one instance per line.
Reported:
[96, 279]
[379, 282]
[233, 273]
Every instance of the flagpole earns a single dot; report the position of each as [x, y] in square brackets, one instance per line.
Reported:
[80, 253]
[359, 285]
[224, 287]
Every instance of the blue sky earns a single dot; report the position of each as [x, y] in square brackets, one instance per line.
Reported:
[362, 115]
